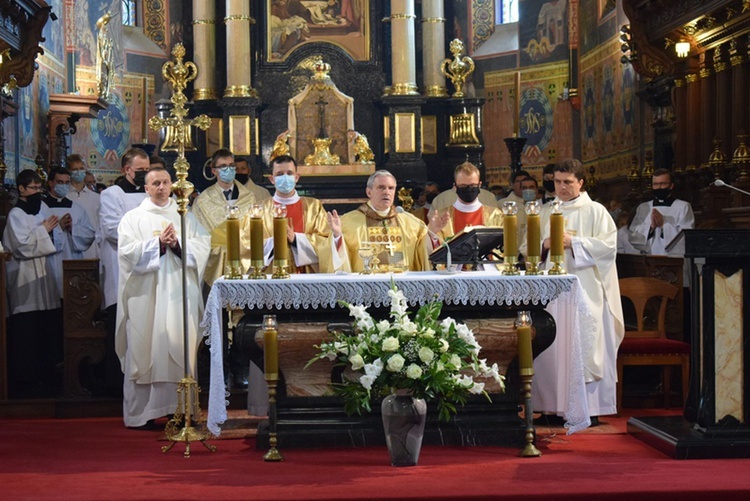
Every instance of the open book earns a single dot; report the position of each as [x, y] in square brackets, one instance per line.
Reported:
[472, 245]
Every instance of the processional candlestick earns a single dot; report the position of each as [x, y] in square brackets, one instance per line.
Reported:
[180, 428]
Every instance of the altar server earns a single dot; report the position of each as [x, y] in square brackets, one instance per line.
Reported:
[77, 233]
[467, 210]
[209, 207]
[308, 226]
[400, 240]
[82, 194]
[243, 176]
[126, 194]
[150, 340]
[590, 248]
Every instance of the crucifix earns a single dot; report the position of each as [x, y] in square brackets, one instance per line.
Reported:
[391, 247]
[321, 103]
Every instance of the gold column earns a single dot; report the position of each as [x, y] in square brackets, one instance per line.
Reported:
[433, 48]
[204, 49]
[403, 64]
[693, 120]
[708, 119]
[239, 76]
[681, 125]
[723, 98]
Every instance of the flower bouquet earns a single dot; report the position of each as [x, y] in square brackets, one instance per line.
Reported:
[429, 358]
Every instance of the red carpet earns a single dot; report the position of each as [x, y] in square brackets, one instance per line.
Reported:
[99, 459]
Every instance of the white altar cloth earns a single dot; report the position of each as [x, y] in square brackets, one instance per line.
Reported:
[562, 296]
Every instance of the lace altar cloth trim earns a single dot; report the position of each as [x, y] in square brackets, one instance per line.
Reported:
[325, 290]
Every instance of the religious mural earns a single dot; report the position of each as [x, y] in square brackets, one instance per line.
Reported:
[543, 31]
[293, 23]
[53, 45]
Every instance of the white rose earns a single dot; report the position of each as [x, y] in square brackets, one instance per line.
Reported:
[426, 355]
[455, 361]
[383, 326]
[395, 363]
[413, 371]
[357, 361]
[429, 333]
[444, 346]
[390, 344]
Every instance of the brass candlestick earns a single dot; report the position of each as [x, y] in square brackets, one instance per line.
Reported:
[280, 246]
[526, 370]
[557, 233]
[178, 74]
[271, 371]
[459, 68]
[533, 239]
[256, 243]
[233, 268]
[510, 238]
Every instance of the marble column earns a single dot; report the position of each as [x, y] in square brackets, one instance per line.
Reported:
[239, 75]
[403, 64]
[204, 50]
[433, 48]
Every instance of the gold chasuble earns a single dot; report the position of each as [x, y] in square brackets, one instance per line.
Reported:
[398, 239]
[209, 209]
[491, 216]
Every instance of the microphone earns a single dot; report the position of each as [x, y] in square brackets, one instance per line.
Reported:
[721, 183]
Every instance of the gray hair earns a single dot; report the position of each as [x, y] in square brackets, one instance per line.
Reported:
[377, 174]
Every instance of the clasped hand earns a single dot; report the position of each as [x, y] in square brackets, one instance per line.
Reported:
[168, 237]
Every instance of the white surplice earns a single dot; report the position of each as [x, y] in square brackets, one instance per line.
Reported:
[149, 338]
[91, 203]
[115, 203]
[592, 260]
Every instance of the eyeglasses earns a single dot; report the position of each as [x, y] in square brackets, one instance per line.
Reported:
[34, 187]
[227, 166]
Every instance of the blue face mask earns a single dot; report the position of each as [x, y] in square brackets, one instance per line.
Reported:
[284, 183]
[528, 195]
[226, 174]
[61, 190]
[77, 176]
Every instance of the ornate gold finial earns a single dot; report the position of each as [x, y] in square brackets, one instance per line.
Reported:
[105, 66]
[458, 69]
[741, 158]
[407, 201]
[362, 152]
[717, 159]
[322, 154]
[281, 145]
[320, 69]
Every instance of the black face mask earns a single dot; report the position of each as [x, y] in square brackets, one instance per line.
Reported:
[34, 202]
[549, 186]
[467, 194]
[662, 193]
[429, 197]
[139, 178]
[242, 178]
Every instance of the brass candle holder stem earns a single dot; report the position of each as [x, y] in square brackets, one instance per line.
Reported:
[532, 265]
[509, 267]
[280, 269]
[273, 453]
[529, 450]
[256, 270]
[557, 268]
[233, 270]
[180, 428]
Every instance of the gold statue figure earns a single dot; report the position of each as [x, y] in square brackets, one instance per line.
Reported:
[105, 67]
[459, 68]
[362, 152]
[407, 201]
[281, 145]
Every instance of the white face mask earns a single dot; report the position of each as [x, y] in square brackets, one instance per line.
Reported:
[528, 195]
[284, 183]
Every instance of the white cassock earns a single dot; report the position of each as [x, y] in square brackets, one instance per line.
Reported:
[149, 336]
[623, 242]
[75, 242]
[32, 285]
[91, 203]
[115, 203]
[592, 260]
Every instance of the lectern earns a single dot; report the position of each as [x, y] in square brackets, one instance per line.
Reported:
[716, 418]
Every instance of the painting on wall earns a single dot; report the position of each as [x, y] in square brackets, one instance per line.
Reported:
[291, 24]
[53, 33]
[543, 31]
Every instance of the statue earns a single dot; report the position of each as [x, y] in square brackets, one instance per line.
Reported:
[407, 201]
[362, 152]
[281, 145]
[105, 71]
[459, 69]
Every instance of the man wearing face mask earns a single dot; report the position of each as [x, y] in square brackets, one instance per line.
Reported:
[516, 195]
[529, 188]
[77, 232]
[210, 207]
[307, 228]
[548, 182]
[430, 191]
[126, 194]
[33, 237]
[657, 222]
[467, 210]
[243, 176]
[82, 194]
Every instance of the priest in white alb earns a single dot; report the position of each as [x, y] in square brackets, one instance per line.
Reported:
[590, 249]
[150, 340]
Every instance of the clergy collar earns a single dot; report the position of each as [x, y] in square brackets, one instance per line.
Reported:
[667, 202]
[382, 214]
[55, 203]
[152, 206]
[26, 207]
[286, 200]
[463, 207]
[128, 187]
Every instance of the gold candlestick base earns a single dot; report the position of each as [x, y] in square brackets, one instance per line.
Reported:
[256, 270]
[273, 453]
[280, 269]
[532, 265]
[557, 268]
[233, 270]
[529, 450]
[180, 428]
[509, 267]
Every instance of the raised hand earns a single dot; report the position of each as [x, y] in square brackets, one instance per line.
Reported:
[50, 223]
[334, 221]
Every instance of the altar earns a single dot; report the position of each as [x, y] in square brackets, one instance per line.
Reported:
[467, 296]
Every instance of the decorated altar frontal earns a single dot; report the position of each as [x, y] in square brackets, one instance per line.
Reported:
[485, 291]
